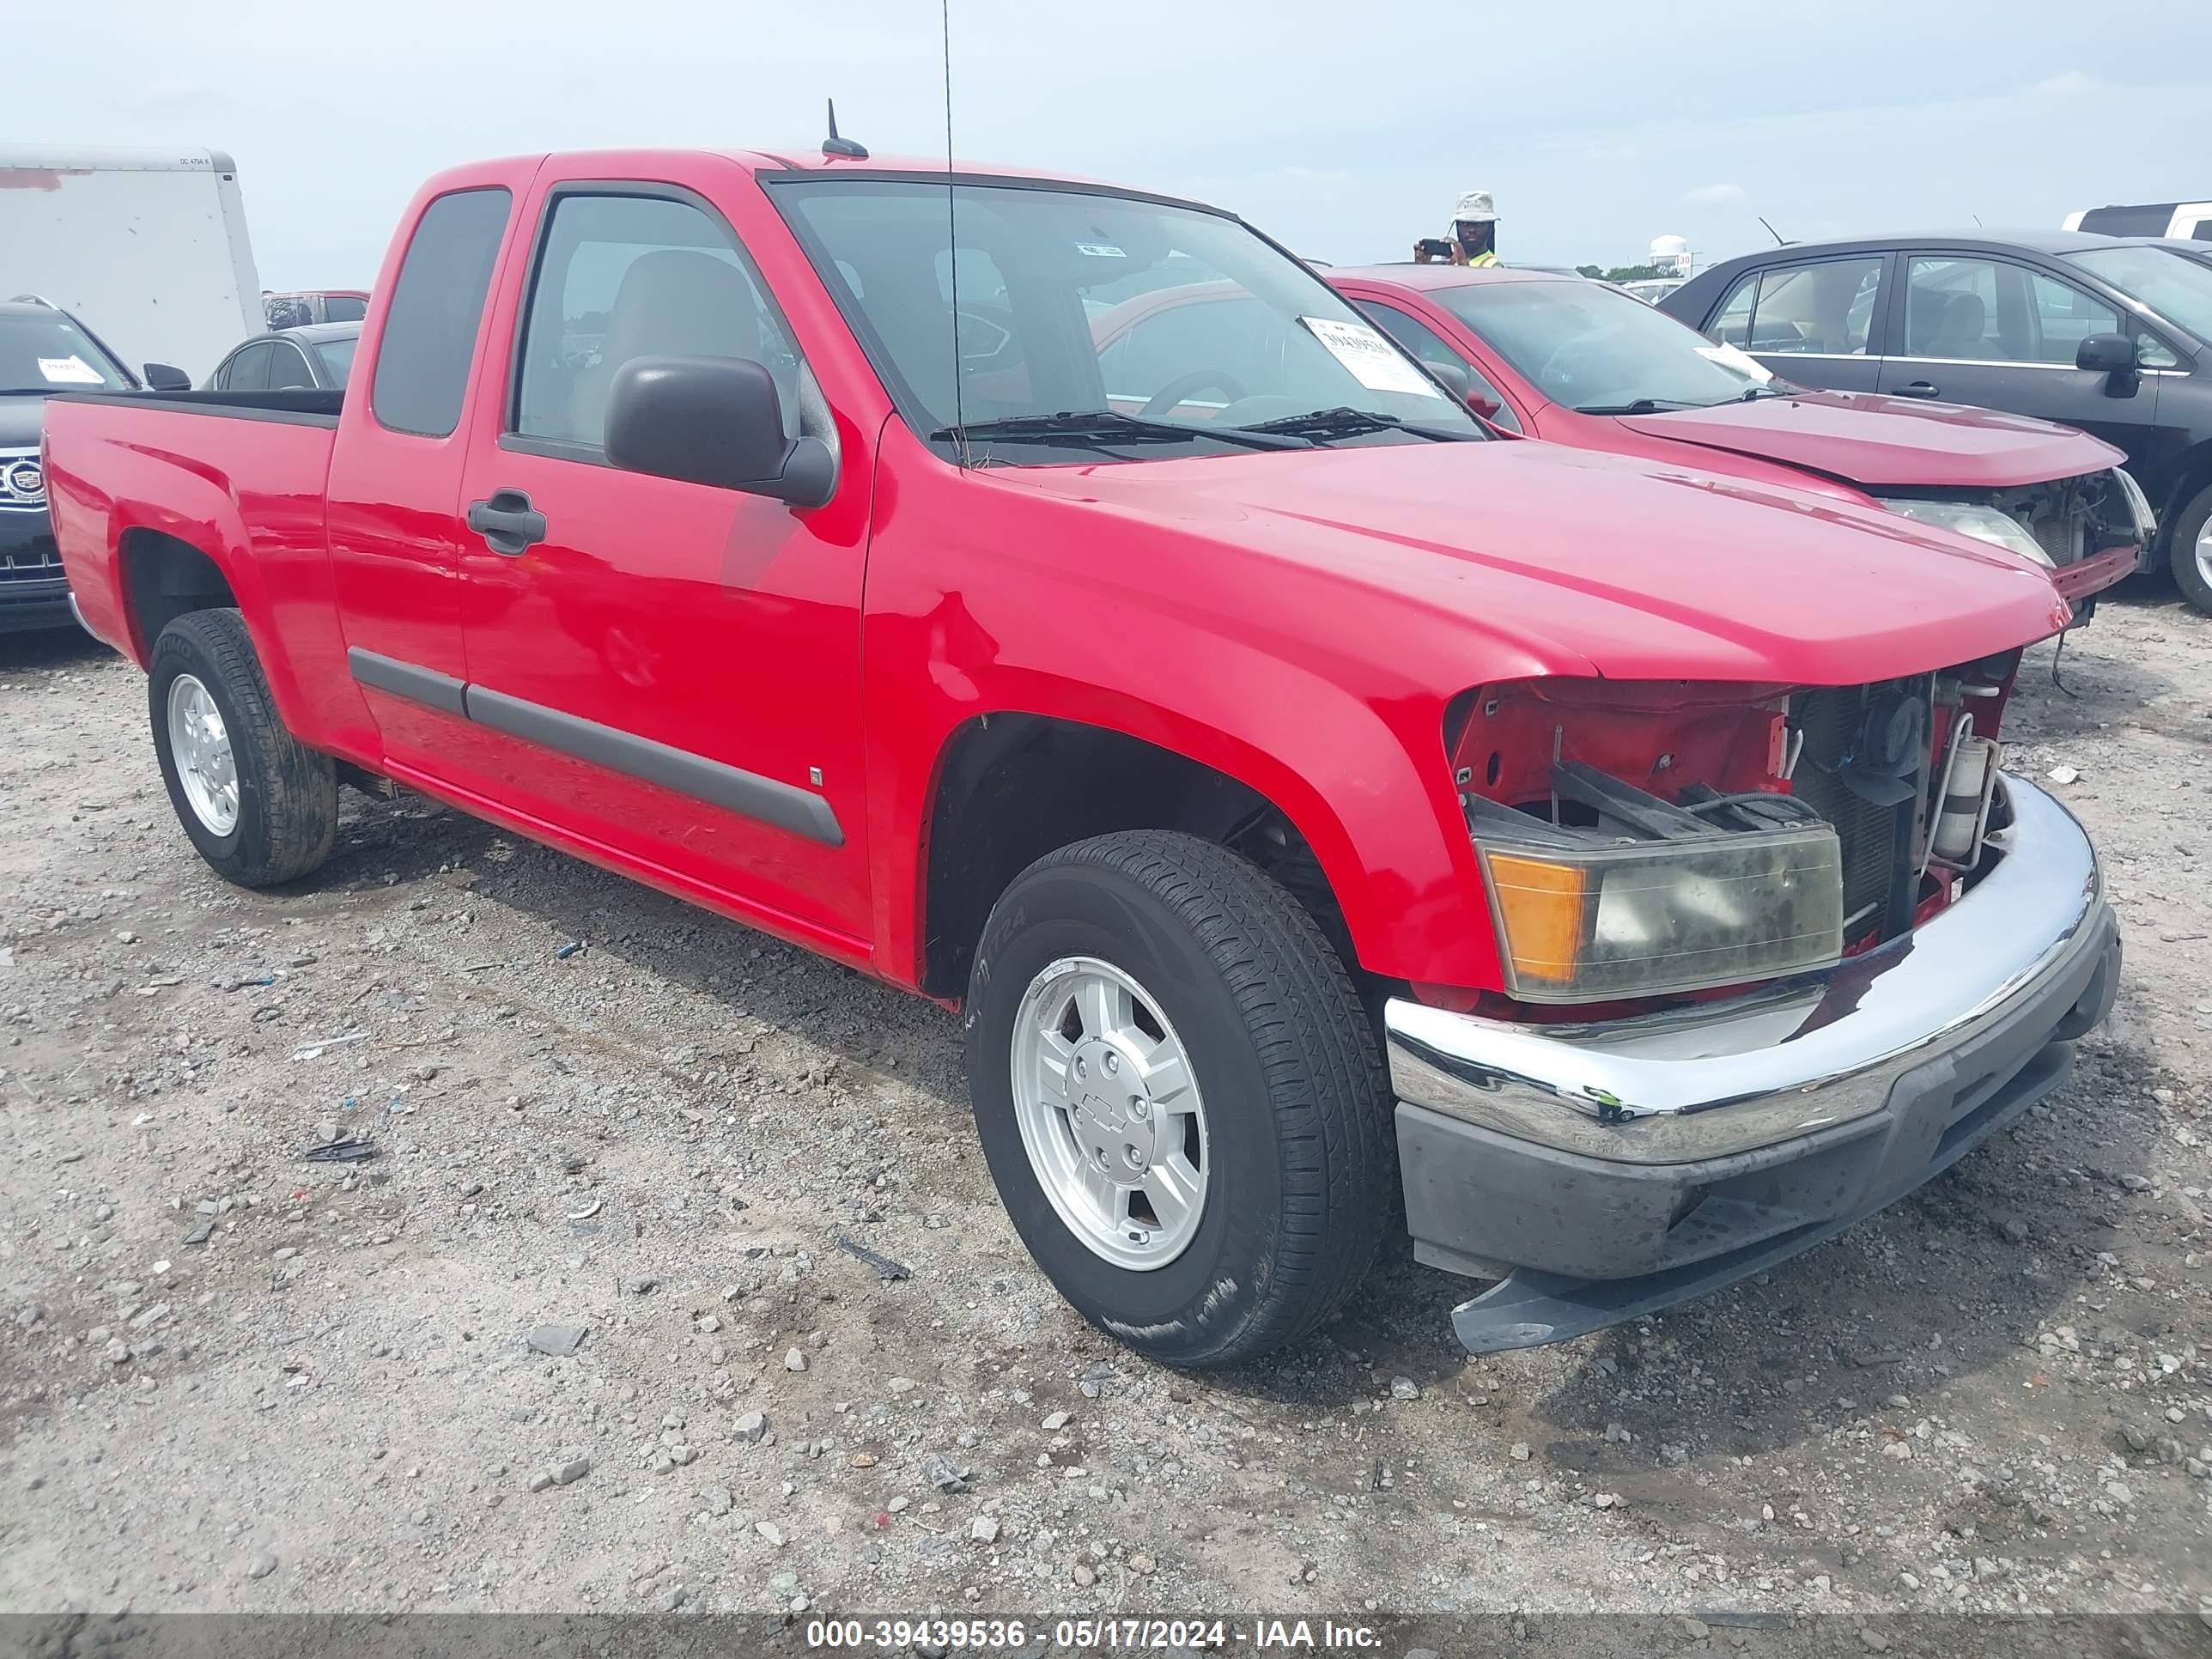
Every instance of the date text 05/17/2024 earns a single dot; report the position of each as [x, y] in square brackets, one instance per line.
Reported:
[1133, 1635]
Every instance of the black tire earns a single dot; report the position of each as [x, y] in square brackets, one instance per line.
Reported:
[1300, 1170]
[288, 795]
[2181, 549]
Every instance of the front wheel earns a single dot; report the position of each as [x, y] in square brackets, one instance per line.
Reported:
[2189, 549]
[1180, 1096]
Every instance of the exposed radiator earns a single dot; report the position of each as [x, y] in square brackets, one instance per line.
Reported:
[1828, 720]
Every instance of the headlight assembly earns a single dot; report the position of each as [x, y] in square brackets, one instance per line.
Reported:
[1646, 919]
[2139, 505]
[1984, 524]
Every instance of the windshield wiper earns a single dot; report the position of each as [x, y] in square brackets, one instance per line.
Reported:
[1641, 406]
[1106, 426]
[1348, 422]
[1753, 393]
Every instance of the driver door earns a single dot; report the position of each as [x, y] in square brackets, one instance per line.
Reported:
[664, 670]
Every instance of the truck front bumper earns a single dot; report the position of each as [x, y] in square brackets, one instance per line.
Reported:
[1610, 1170]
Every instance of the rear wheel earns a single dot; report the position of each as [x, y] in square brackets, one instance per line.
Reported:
[1180, 1096]
[2189, 549]
[260, 806]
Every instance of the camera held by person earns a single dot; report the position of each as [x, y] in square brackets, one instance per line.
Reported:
[1473, 238]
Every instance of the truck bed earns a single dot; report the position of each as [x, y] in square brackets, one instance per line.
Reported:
[237, 475]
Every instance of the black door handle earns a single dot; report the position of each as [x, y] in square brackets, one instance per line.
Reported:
[1918, 389]
[507, 522]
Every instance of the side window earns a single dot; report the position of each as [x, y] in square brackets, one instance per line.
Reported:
[436, 308]
[1824, 308]
[287, 369]
[1731, 324]
[2062, 316]
[248, 369]
[623, 276]
[344, 308]
[1431, 347]
[1955, 307]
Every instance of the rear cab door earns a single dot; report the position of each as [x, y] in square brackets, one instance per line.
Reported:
[664, 673]
[395, 473]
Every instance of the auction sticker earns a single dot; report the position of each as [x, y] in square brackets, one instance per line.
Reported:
[1373, 361]
[71, 370]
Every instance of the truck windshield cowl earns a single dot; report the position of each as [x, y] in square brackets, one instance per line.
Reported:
[1065, 300]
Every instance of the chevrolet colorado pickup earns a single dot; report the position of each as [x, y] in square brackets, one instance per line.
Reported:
[1301, 794]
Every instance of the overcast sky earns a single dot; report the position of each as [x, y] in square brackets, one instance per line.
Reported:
[1344, 129]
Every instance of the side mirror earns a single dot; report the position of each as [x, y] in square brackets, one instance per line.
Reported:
[713, 420]
[2106, 354]
[1454, 377]
[1457, 381]
[2113, 356]
[165, 377]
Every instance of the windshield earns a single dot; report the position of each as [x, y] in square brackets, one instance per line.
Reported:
[1585, 345]
[336, 358]
[43, 350]
[1176, 330]
[2170, 283]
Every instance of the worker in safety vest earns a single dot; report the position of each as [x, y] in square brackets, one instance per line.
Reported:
[1473, 238]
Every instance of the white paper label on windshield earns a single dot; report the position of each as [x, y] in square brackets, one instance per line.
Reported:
[1100, 251]
[71, 370]
[1373, 361]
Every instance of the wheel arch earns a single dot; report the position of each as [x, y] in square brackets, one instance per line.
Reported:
[1008, 787]
[164, 577]
[2192, 475]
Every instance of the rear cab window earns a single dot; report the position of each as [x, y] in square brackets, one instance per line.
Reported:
[436, 310]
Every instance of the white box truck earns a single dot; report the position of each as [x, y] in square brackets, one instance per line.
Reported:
[2190, 221]
[147, 248]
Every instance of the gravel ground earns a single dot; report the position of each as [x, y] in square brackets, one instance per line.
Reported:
[234, 1380]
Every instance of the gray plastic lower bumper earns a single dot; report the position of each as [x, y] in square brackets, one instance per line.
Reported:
[1620, 1168]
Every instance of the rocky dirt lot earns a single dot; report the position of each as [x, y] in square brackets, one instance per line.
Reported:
[585, 1335]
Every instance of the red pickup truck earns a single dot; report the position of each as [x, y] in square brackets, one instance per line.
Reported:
[1301, 793]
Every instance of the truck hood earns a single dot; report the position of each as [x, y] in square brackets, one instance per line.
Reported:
[21, 419]
[1874, 441]
[1564, 560]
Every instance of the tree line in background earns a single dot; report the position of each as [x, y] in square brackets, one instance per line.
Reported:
[1625, 273]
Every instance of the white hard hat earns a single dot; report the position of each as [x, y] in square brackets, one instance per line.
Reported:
[1475, 207]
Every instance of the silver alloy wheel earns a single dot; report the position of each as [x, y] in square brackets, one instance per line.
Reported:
[2204, 552]
[199, 744]
[1110, 1113]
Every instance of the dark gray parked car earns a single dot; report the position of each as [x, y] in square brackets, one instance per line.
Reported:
[2111, 334]
[316, 355]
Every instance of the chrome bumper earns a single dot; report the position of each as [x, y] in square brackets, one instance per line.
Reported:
[1771, 1065]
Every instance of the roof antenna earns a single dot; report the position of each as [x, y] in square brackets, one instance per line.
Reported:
[1770, 230]
[833, 145]
[952, 241]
